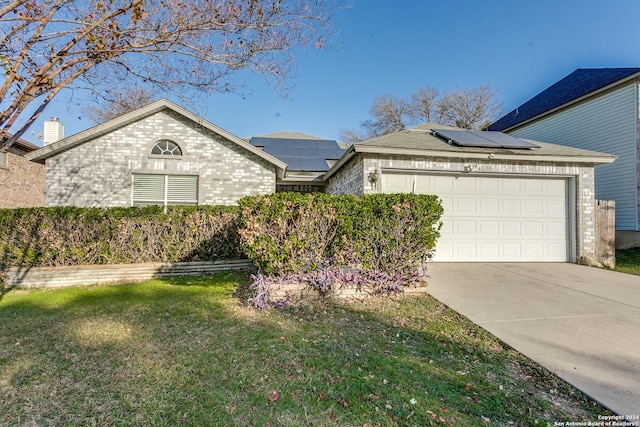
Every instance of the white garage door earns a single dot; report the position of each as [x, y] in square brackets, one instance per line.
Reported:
[494, 218]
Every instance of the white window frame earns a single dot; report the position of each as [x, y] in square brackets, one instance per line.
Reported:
[165, 201]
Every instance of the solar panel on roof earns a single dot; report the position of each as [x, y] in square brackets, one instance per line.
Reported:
[301, 154]
[483, 139]
[305, 164]
[505, 141]
[465, 138]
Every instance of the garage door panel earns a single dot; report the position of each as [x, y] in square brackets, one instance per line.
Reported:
[495, 218]
[511, 206]
[533, 250]
[554, 207]
[465, 251]
[397, 183]
[465, 228]
[533, 186]
[488, 250]
[511, 228]
[488, 206]
[467, 205]
[439, 183]
[490, 185]
[510, 187]
[512, 250]
[533, 207]
[533, 229]
[447, 227]
[554, 186]
[488, 228]
[556, 250]
[554, 228]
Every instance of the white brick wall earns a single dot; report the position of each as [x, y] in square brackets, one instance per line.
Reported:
[99, 172]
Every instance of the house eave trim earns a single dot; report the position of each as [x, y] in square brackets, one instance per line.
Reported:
[493, 156]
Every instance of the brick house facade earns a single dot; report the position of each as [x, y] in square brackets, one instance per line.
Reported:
[21, 181]
[118, 163]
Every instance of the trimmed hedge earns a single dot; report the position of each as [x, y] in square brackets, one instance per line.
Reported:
[75, 236]
[283, 233]
[291, 233]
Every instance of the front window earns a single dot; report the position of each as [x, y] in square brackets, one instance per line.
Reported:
[165, 147]
[164, 190]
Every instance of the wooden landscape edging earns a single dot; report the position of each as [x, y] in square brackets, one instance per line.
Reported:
[78, 275]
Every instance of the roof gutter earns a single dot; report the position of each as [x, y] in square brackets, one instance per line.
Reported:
[363, 148]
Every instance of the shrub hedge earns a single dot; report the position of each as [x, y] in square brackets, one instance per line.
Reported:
[74, 236]
[283, 233]
[290, 233]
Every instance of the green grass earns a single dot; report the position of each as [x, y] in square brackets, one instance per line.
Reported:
[628, 261]
[185, 352]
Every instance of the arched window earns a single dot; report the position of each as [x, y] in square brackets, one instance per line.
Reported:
[165, 147]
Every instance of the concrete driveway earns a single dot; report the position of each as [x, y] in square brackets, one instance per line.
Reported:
[580, 322]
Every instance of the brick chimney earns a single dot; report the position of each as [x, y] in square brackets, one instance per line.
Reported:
[53, 130]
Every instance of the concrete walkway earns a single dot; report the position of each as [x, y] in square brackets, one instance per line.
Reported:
[580, 322]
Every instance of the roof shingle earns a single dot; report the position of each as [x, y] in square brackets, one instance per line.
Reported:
[576, 85]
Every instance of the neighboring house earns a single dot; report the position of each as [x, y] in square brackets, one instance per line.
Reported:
[505, 199]
[157, 154]
[307, 157]
[595, 109]
[21, 181]
[500, 204]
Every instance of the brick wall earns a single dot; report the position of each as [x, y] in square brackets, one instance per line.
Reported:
[349, 179]
[21, 183]
[99, 172]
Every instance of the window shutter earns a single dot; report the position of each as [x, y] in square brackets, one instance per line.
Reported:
[182, 190]
[148, 190]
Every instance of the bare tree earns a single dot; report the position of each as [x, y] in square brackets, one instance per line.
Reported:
[351, 136]
[423, 104]
[469, 109]
[390, 114]
[174, 45]
[120, 103]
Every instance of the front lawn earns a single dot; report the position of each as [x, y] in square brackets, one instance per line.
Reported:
[628, 261]
[185, 352]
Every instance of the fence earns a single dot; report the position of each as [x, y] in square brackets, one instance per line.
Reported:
[606, 232]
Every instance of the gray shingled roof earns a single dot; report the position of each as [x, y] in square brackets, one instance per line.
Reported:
[420, 138]
[580, 83]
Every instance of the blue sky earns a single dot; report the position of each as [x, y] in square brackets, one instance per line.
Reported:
[521, 47]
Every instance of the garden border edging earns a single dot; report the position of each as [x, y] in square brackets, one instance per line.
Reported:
[82, 275]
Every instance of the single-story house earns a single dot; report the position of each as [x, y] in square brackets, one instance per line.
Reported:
[595, 109]
[22, 181]
[505, 199]
[157, 154]
[512, 201]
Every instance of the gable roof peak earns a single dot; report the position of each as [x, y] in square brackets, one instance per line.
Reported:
[82, 137]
